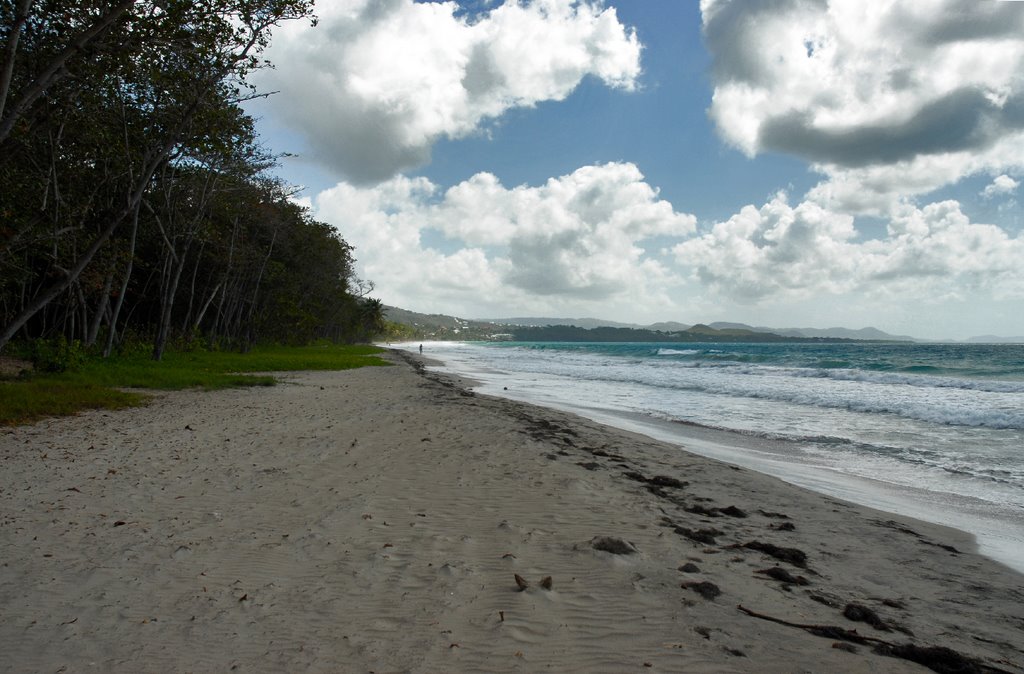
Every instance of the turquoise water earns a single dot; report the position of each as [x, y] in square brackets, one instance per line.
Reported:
[961, 385]
[939, 424]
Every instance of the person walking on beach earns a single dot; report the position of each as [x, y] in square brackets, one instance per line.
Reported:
[421, 348]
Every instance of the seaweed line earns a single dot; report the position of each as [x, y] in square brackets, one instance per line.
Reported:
[936, 658]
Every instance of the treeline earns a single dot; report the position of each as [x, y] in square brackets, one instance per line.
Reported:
[135, 199]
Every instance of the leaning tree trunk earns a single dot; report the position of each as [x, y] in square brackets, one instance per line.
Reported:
[56, 69]
[177, 263]
[101, 310]
[149, 166]
[112, 333]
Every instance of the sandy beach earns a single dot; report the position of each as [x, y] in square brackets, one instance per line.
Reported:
[384, 520]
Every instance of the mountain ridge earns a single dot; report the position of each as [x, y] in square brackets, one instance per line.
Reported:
[868, 333]
[491, 328]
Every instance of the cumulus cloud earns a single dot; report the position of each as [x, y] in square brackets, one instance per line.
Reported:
[378, 82]
[775, 249]
[781, 251]
[596, 237]
[578, 237]
[932, 89]
[1001, 185]
[882, 189]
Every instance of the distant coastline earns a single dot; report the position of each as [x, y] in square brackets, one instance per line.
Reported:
[695, 334]
[411, 325]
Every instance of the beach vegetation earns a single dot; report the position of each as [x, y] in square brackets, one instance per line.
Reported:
[112, 383]
[138, 204]
[25, 401]
[56, 355]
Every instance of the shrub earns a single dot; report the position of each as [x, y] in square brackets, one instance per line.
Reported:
[57, 355]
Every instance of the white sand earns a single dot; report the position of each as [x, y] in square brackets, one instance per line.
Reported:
[373, 520]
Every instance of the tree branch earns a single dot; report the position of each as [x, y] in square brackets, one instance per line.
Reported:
[56, 71]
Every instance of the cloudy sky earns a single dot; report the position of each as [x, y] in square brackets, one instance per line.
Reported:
[791, 163]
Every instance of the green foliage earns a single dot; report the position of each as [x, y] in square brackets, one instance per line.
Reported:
[57, 355]
[97, 382]
[23, 402]
[141, 124]
[135, 203]
[398, 332]
[221, 369]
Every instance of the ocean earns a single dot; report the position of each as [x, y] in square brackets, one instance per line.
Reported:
[932, 431]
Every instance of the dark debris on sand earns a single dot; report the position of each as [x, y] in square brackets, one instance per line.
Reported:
[706, 536]
[657, 480]
[730, 511]
[862, 614]
[936, 658]
[615, 546]
[780, 574]
[704, 588]
[793, 556]
[896, 526]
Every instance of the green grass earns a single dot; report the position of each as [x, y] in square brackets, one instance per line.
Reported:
[97, 383]
[25, 401]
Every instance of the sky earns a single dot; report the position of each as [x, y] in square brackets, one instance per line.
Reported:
[781, 163]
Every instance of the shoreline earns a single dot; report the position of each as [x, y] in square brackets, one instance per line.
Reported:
[998, 532]
[374, 519]
[989, 534]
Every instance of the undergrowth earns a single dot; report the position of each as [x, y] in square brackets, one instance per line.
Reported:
[94, 382]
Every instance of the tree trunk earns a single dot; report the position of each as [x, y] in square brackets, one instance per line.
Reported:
[101, 310]
[167, 302]
[227, 275]
[149, 166]
[57, 288]
[192, 291]
[20, 17]
[124, 284]
[256, 290]
[206, 305]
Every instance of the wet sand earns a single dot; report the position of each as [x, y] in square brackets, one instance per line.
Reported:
[376, 520]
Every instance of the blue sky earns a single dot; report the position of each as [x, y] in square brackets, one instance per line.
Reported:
[663, 127]
[784, 164]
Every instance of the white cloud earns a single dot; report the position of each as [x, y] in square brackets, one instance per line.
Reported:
[783, 252]
[776, 249]
[378, 82]
[592, 242]
[1000, 185]
[887, 98]
[578, 239]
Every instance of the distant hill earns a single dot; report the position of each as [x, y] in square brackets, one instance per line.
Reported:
[873, 334]
[697, 334]
[441, 326]
[727, 329]
[847, 333]
[586, 323]
[833, 333]
[427, 320]
[667, 326]
[994, 339]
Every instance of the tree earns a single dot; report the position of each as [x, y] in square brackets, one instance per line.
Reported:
[53, 66]
[136, 86]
